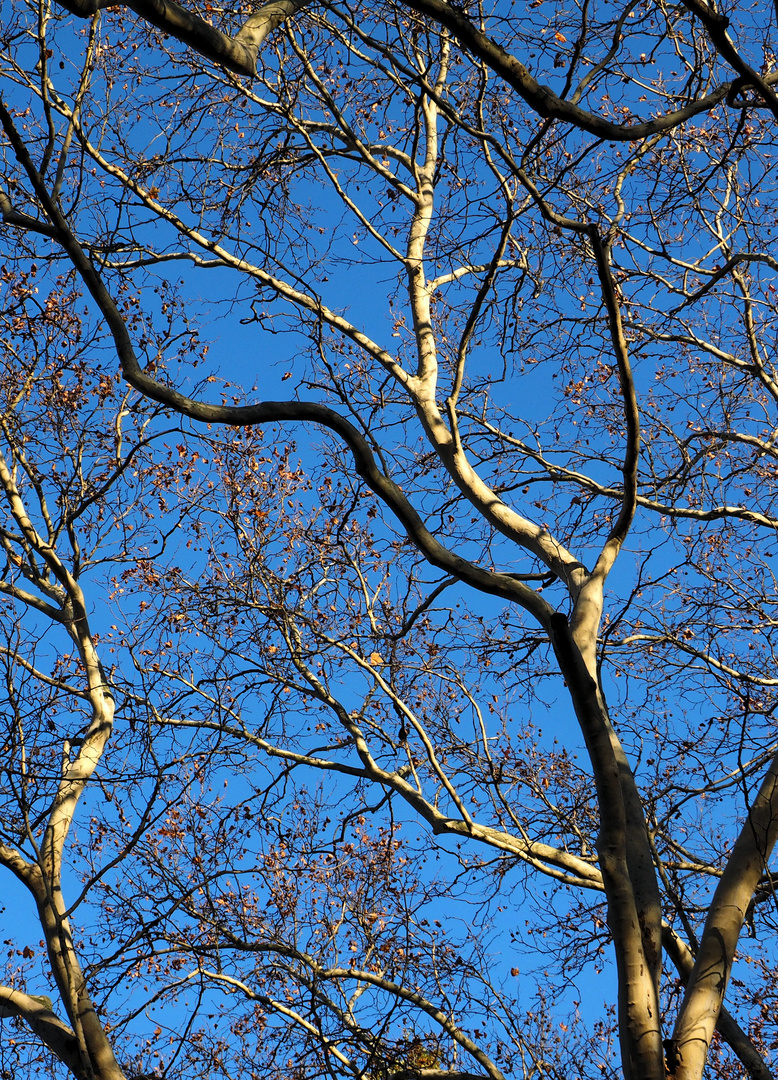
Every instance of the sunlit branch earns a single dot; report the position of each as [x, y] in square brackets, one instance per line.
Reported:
[726, 1025]
[711, 661]
[337, 974]
[717, 275]
[512, 524]
[708, 979]
[557, 472]
[542, 99]
[14, 657]
[36, 1011]
[268, 412]
[21, 220]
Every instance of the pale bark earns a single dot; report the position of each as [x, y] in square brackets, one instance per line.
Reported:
[625, 855]
[41, 1018]
[627, 868]
[629, 878]
[88, 1053]
[84, 1047]
[626, 858]
[423, 386]
[726, 1025]
[708, 980]
[97, 1056]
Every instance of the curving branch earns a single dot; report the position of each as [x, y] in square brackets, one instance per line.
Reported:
[36, 1010]
[20, 220]
[237, 53]
[716, 25]
[492, 582]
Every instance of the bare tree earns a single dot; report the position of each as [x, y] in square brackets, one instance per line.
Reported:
[540, 476]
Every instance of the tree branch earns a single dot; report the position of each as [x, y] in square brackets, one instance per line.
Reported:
[38, 1014]
[494, 583]
[708, 980]
[238, 53]
[726, 1025]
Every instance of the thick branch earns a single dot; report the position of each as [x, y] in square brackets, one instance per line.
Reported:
[587, 614]
[708, 981]
[238, 53]
[726, 1025]
[542, 99]
[629, 878]
[20, 220]
[38, 1014]
[496, 584]
[716, 25]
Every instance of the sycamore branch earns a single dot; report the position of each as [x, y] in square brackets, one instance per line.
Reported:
[726, 1025]
[497, 584]
[709, 977]
[36, 1011]
[554, 862]
[313, 975]
[21, 220]
[716, 25]
[238, 53]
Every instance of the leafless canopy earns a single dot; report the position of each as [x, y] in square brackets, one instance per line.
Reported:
[416, 723]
